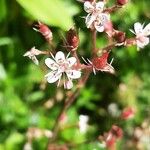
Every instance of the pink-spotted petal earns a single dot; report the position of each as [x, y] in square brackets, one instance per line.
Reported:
[142, 44]
[89, 20]
[73, 74]
[88, 7]
[53, 76]
[71, 61]
[99, 28]
[60, 57]
[51, 64]
[100, 6]
[147, 30]
[138, 28]
[68, 84]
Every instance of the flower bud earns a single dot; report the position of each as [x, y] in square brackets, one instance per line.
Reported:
[116, 131]
[128, 113]
[44, 30]
[72, 39]
[119, 36]
[122, 2]
[100, 62]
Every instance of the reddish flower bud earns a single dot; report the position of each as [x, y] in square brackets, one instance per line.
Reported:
[122, 2]
[128, 113]
[119, 36]
[44, 30]
[116, 131]
[110, 141]
[72, 39]
[100, 62]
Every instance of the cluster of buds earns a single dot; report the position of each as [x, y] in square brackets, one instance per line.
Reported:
[111, 137]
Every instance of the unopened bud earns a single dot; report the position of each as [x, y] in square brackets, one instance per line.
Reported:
[44, 30]
[119, 36]
[72, 39]
[116, 131]
[100, 62]
[122, 2]
[128, 113]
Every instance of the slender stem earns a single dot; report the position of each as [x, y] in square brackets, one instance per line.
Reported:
[68, 103]
[112, 9]
[94, 50]
[75, 94]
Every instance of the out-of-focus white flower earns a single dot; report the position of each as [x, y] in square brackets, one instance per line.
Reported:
[96, 18]
[83, 123]
[113, 110]
[142, 34]
[61, 66]
[32, 53]
[27, 146]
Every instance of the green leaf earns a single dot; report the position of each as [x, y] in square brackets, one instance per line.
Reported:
[3, 10]
[52, 12]
[14, 140]
[35, 96]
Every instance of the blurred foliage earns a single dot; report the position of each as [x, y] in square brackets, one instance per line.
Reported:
[24, 102]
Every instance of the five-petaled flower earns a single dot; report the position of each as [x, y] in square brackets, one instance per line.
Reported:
[32, 54]
[61, 66]
[142, 34]
[96, 18]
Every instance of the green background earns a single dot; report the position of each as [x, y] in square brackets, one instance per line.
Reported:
[24, 95]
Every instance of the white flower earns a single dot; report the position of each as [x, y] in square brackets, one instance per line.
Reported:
[27, 146]
[96, 18]
[83, 123]
[61, 66]
[142, 34]
[32, 54]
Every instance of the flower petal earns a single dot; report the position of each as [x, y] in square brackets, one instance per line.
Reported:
[68, 84]
[60, 57]
[51, 64]
[53, 76]
[28, 54]
[138, 28]
[141, 44]
[88, 7]
[73, 74]
[89, 20]
[35, 60]
[100, 6]
[147, 30]
[71, 61]
[99, 28]
[104, 18]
